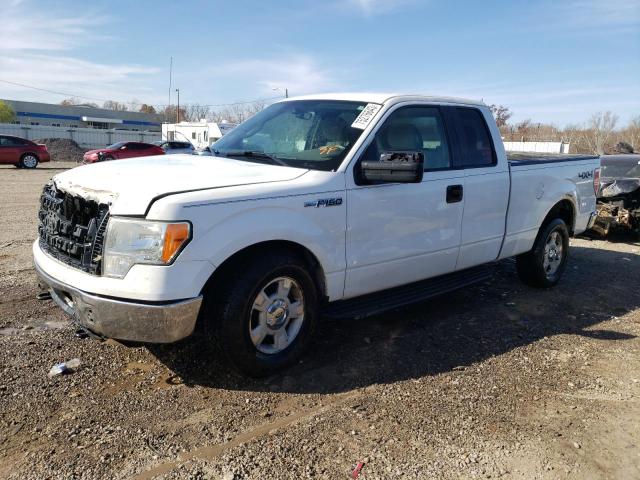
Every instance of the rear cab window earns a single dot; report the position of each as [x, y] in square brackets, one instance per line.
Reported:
[472, 138]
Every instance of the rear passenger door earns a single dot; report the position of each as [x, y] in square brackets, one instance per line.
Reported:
[486, 184]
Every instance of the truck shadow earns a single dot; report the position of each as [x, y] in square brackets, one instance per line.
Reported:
[449, 332]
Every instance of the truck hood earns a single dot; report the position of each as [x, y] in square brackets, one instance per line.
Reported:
[129, 186]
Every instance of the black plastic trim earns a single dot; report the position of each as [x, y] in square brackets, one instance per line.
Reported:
[383, 301]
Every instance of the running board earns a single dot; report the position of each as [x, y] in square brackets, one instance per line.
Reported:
[385, 300]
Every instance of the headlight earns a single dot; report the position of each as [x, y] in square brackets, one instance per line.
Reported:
[131, 241]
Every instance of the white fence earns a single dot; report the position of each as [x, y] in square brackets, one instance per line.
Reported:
[85, 137]
[538, 147]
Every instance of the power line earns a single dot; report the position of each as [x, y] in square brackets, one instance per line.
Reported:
[66, 94]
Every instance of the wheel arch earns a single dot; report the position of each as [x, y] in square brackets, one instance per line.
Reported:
[268, 246]
[564, 209]
[24, 154]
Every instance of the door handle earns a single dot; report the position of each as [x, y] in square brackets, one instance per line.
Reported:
[454, 193]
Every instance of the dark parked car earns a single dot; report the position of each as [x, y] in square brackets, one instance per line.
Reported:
[171, 147]
[21, 152]
[122, 150]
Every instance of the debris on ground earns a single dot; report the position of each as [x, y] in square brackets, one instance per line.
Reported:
[64, 367]
[356, 471]
[63, 149]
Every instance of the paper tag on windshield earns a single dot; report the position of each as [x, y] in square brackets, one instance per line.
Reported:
[366, 115]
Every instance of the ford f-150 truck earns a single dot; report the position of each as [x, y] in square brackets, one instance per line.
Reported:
[329, 205]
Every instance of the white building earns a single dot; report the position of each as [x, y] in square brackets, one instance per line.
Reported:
[538, 147]
[201, 134]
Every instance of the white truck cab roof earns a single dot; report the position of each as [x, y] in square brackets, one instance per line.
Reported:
[381, 97]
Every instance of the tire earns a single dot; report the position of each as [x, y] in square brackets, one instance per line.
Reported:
[544, 264]
[29, 160]
[249, 304]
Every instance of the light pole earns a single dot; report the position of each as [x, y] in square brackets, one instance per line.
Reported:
[286, 91]
[178, 109]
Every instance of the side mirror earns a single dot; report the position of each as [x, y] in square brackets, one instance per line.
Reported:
[394, 167]
[124, 147]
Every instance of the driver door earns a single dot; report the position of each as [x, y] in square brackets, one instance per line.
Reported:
[401, 233]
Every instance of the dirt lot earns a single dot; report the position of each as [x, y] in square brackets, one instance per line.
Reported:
[496, 381]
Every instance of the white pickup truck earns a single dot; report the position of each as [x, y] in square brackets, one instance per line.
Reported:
[338, 205]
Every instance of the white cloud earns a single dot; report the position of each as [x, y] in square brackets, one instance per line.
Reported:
[601, 13]
[299, 73]
[374, 7]
[36, 49]
[31, 29]
[72, 75]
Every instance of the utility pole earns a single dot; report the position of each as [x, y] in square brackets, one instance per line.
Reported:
[168, 109]
[178, 109]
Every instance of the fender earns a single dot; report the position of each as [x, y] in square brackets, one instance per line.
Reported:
[226, 229]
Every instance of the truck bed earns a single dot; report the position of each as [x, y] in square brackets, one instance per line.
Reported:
[532, 158]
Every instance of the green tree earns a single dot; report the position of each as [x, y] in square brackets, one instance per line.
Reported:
[6, 113]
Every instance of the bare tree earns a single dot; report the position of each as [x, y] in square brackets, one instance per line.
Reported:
[238, 113]
[72, 101]
[501, 113]
[631, 134]
[115, 105]
[599, 129]
[196, 112]
[170, 113]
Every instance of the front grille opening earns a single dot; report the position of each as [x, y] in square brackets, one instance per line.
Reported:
[71, 229]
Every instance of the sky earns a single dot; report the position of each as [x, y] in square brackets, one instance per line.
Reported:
[555, 61]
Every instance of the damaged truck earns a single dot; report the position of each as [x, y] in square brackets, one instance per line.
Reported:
[335, 205]
[619, 195]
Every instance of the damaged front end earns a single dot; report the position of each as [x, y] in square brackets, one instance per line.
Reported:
[618, 204]
[71, 228]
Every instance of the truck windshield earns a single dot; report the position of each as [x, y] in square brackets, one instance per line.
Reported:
[314, 134]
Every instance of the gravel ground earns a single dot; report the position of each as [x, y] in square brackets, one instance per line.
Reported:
[495, 381]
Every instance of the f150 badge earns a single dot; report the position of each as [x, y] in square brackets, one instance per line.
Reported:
[324, 202]
[585, 175]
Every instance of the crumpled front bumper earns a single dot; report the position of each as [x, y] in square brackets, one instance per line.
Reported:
[152, 322]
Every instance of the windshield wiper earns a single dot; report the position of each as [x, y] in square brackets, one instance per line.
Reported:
[252, 154]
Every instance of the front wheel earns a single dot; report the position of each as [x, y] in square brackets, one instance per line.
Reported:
[544, 264]
[266, 312]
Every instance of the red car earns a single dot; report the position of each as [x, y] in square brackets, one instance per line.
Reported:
[122, 150]
[21, 152]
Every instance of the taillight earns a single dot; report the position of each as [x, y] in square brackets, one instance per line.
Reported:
[596, 180]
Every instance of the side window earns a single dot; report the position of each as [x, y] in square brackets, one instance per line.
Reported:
[418, 129]
[474, 139]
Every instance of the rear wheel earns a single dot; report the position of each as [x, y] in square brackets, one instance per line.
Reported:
[544, 264]
[29, 160]
[264, 313]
